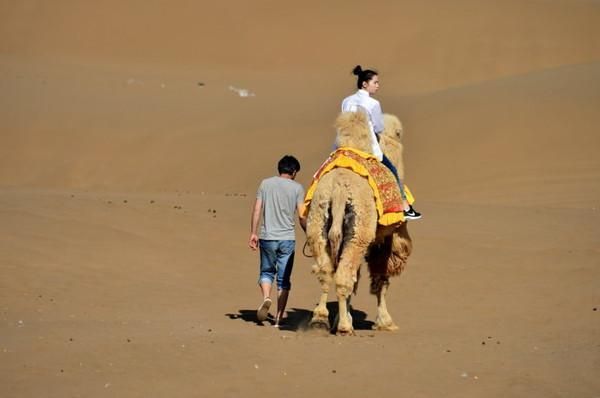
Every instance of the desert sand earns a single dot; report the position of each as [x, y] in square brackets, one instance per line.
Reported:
[129, 162]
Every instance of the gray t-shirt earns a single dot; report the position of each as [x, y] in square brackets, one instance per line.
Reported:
[280, 198]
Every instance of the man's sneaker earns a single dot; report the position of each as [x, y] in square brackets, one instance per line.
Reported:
[411, 214]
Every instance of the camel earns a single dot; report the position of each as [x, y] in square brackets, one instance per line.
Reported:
[343, 231]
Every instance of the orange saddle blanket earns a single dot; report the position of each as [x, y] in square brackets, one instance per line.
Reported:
[386, 192]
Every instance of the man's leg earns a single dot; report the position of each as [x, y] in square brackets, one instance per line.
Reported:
[285, 264]
[268, 261]
[263, 309]
[282, 297]
[265, 288]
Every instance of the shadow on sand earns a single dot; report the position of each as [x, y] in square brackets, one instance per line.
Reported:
[298, 319]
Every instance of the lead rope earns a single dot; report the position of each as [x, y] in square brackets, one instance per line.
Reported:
[304, 251]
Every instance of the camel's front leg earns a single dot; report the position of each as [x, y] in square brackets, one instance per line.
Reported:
[384, 320]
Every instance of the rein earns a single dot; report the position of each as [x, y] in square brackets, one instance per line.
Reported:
[310, 255]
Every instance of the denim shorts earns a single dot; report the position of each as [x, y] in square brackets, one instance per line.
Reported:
[276, 258]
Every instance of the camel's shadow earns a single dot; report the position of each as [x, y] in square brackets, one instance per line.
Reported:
[298, 319]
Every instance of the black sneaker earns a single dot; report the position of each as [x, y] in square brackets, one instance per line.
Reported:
[411, 214]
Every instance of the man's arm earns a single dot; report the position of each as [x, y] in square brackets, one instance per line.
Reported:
[253, 241]
[301, 217]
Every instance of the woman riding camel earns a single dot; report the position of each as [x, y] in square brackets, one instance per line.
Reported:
[368, 84]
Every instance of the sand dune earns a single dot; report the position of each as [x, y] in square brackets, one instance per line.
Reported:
[128, 168]
[110, 133]
[89, 84]
[524, 140]
[419, 45]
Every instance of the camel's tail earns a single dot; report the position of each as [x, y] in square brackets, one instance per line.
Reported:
[338, 206]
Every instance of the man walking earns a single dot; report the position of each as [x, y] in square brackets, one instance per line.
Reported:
[278, 200]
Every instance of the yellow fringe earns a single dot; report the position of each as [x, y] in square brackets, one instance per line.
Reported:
[348, 163]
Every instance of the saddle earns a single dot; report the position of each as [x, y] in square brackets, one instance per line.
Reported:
[386, 191]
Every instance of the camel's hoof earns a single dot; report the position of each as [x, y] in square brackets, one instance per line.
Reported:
[320, 324]
[345, 332]
[386, 328]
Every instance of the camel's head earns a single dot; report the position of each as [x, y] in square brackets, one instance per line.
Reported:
[353, 131]
[392, 127]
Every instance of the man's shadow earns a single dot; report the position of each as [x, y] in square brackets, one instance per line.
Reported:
[298, 319]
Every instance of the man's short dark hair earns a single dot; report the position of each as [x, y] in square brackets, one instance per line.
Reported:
[288, 165]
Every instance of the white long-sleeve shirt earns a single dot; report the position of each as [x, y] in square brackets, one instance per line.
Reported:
[362, 99]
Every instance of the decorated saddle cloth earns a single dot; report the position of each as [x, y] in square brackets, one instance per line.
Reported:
[386, 192]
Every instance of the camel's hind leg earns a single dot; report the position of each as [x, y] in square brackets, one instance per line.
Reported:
[324, 271]
[379, 286]
[345, 280]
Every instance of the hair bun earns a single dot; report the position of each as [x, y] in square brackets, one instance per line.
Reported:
[357, 70]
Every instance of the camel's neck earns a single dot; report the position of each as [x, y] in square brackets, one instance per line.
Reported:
[393, 150]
